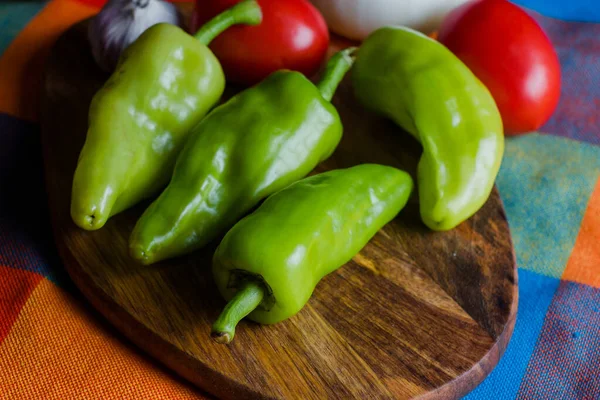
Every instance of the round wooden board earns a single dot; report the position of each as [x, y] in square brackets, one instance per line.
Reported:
[415, 313]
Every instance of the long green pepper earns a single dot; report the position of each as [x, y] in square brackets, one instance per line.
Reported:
[164, 83]
[268, 264]
[429, 92]
[258, 142]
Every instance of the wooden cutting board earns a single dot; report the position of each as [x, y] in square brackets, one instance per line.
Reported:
[415, 313]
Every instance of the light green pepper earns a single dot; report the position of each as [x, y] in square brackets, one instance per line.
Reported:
[269, 263]
[429, 92]
[258, 142]
[164, 84]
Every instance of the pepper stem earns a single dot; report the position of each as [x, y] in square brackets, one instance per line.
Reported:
[335, 70]
[248, 297]
[246, 12]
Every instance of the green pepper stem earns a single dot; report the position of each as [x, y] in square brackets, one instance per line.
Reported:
[248, 297]
[246, 12]
[335, 70]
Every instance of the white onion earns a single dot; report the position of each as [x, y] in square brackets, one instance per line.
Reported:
[356, 19]
[121, 22]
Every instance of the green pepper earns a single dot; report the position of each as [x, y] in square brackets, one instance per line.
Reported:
[425, 89]
[164, 83]
[258, 142]
[268, 264]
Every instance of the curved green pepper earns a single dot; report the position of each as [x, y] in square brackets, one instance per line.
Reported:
[268, 264]
[258, 142]
[164, 83]
[429, 92]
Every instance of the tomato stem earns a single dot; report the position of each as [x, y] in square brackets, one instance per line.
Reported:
[335, 71]
[247, 12]
[248, 297]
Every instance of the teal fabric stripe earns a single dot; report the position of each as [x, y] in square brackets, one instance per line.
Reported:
[14, 15]
[545, 183]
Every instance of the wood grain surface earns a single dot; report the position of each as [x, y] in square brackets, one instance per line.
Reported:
[415, 314]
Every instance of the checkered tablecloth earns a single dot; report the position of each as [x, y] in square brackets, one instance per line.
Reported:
[53, 345]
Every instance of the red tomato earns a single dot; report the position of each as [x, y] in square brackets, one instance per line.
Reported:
[509, 52]
[292, 35]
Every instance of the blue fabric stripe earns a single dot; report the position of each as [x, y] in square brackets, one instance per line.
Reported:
[545, 183]
[26, 240]
[565, 362]
[571, 10]
[535, 295]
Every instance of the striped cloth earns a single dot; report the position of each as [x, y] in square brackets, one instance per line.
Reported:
[54, 346]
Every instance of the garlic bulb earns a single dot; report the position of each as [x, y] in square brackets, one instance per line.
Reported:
[121, 22]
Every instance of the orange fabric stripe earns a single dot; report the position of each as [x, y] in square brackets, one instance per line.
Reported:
[584, 264]
[57, 350]
[15, 287]
[21, 65]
